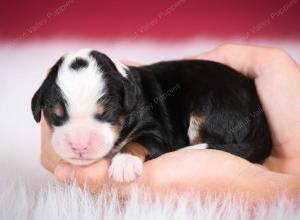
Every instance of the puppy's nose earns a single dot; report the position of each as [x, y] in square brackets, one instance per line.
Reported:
[79, 148]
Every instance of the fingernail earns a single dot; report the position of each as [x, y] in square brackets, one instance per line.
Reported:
[65, 173]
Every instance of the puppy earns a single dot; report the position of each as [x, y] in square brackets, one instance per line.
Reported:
[99, 107]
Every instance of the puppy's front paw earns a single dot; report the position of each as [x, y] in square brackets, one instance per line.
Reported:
[125, 167]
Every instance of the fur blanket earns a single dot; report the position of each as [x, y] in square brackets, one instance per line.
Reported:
[53, 201]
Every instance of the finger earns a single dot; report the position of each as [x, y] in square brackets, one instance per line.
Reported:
[246, 59]
[46, 163]
[46, 132]
[49, 158]
[208, 55]
[93, 176]
[131, 63]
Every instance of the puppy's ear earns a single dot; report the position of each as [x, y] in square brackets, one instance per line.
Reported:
[36, 104]
[131, 95]
[38, 98]
[103, 61]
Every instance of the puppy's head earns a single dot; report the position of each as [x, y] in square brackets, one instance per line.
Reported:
[84, 98]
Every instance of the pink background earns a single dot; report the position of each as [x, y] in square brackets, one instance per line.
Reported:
[168, 19]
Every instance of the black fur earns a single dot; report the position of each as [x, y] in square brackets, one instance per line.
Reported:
[78, 63]
[157, 101]
[227, 100]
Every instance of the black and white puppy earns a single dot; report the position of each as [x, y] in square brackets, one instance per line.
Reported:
[99, 107]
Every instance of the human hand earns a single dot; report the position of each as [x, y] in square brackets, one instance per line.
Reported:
[277, 80]
[211, 170]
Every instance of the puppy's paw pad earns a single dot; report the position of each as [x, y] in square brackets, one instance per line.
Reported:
[125, 167]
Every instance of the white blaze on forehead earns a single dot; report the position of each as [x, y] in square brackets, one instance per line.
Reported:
[81, 87]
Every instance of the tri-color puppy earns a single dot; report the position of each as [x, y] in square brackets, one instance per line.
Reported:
[99, 107]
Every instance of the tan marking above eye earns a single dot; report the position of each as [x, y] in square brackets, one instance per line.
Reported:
[58, 109]
[100, 108]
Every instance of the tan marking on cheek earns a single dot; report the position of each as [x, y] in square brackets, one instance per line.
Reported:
[136, 149]
[116, 129]
[58, 109]
[194, 130]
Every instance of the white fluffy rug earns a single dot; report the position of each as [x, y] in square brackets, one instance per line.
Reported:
[29, 192]
[52, 201]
